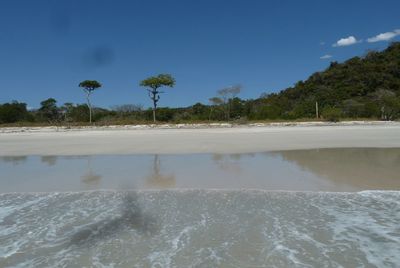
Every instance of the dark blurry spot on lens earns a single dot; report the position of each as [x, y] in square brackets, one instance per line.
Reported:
[98, 57]
[131, 217]
[60, 22]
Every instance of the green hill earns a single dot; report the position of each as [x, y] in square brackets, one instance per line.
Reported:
[359, 87]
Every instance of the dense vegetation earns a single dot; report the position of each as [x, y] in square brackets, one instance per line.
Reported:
[361, 87]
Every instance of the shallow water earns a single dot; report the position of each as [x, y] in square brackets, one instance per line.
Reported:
[160, 223]
[301, 170]
[200, 228]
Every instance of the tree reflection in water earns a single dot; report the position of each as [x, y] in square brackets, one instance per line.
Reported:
[50, 160]
[15, 160]
[229, 163]
[157, 179]
[90, 178]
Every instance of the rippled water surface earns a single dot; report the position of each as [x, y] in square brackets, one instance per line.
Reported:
[200, 228]
[137, 210]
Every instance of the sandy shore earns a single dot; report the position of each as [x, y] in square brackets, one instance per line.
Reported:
[241, 139]
[193, 126]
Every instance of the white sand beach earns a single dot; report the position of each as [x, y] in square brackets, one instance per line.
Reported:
[200, 139]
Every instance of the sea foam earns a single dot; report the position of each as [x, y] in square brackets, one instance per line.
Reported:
[200, 228]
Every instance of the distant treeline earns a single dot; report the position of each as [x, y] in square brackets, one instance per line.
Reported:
[50, 113]
[361, 87]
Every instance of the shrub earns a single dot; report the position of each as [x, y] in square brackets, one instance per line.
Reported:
[332, 114]
[13, 112]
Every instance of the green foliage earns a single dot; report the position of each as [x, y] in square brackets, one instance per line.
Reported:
[14, 112]
[332, 114]
[359, 87]
[390, 108]
[353, 108]
[90, 85]
[236, 106]
[160, 80]
[48, 110]
[152, 84]
[198, 112]
[226, 98]
[78, 113]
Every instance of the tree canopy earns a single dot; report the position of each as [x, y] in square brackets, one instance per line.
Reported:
[160, 80]
[14, 112]
[48, 110]
[90, 85]
[154, 83]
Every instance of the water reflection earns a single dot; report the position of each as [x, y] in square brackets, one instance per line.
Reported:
[50, 160]
[301, 170]
[232, 163]
[90, 177]
[156, 178]
[369, 168]
[228, 163]
[15, 160]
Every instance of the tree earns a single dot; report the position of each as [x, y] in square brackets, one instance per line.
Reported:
[153, 84]
[78, 113]
[332, 114]
[88, 87]
[66, 110]
[226, 95]
[48, 110]
[126, 109]
[14, 112]
[386, 100]
[199, 111]
[215, 102]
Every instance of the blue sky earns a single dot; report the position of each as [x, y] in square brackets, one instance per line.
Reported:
[48, 47]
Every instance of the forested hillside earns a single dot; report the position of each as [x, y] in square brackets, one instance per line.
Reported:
[360, 87]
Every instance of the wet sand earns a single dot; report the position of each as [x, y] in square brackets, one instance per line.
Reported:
[212, 140]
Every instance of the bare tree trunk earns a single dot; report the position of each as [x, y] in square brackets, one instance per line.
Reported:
[155, 97]
[89, 106]
[154, 111]
[229, 110]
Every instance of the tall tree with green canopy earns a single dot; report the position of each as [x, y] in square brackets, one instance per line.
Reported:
[88, 87]
[49, 110]
[153, 84]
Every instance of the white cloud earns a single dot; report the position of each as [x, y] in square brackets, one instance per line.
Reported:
[325, 57]
[351, 40]
[384, 36]
[322, 43]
